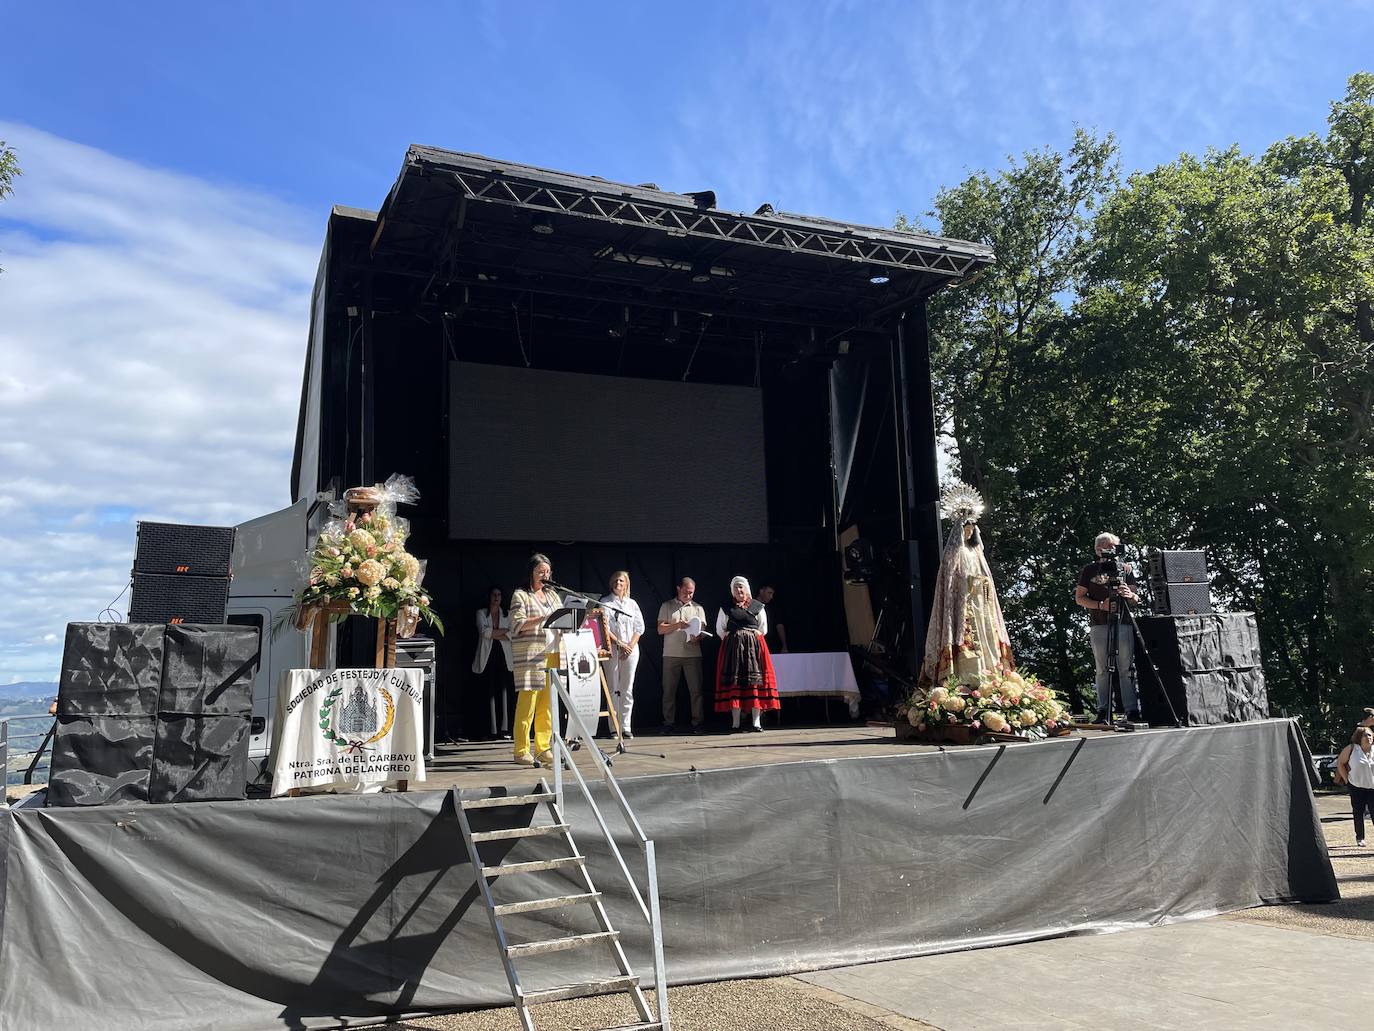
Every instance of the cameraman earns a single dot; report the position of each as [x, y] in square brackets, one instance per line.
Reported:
[1098, 584]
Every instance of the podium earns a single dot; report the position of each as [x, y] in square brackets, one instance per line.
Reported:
[577, 656]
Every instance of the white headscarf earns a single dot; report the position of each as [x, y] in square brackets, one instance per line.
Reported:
[740, 580]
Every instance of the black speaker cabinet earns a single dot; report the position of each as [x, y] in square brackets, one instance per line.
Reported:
[168, 598]
[178, 550]
[153, 713]
[1187, 599]
[1209, 667]
[1179, 567]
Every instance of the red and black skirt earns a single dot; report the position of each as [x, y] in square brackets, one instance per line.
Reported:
[744, 674]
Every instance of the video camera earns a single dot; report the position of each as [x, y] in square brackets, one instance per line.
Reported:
[1117, 569]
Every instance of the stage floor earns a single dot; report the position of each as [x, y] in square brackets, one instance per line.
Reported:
[480, 764]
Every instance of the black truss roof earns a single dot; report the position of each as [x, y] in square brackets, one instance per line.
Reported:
[462, 220]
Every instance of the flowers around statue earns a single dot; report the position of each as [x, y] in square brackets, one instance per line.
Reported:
[1001, 702]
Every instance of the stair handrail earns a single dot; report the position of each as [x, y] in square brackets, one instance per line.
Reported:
[650, 910]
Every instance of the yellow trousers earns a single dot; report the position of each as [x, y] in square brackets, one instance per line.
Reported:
[533, 707]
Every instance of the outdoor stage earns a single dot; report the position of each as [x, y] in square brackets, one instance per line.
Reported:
[484, 764]
[329, 910]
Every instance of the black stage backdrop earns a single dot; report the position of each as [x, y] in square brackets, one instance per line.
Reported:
[417, 433]
[323, 910]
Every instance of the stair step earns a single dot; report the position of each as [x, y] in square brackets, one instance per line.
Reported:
[574, 941]
[519, 832]
[557, 902]
[504, 800]
[581, 991]
[533, 867]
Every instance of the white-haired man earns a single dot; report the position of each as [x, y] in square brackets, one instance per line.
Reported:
[1095, 592]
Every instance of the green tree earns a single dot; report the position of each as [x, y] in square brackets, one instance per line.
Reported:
[1244, 287]
[1187, 359]
[9, 170]
[1001, 367]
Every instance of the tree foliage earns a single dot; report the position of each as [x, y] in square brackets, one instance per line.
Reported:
[9, 170]
[1185, 358]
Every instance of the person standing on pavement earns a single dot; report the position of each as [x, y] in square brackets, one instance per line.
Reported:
[1355, 767]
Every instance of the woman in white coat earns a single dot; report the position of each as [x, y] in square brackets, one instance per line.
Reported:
[493, 662]
[624, 627]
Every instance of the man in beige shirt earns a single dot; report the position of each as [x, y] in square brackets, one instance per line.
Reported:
[681, 654]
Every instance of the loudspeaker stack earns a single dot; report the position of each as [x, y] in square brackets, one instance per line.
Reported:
[149, 712]
[1179, 582]
[181, 574]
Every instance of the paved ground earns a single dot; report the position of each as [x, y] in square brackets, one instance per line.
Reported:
[1273, 967]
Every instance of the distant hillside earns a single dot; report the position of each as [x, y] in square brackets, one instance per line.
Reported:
[29, 689]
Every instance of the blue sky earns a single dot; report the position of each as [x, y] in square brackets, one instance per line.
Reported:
[181, 159]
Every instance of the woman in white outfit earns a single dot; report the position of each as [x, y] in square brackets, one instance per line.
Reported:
[1355, 767]
[624, 628]
[495, 670]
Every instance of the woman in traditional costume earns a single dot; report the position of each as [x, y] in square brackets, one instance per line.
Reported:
[967, 635]
[744, 667]
[529, 607]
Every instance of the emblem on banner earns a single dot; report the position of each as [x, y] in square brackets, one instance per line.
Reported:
[363, 719]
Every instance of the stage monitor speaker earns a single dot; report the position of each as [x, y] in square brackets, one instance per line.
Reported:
[1186, 599]
[153, 713]
[1209, 666]
[180, 550]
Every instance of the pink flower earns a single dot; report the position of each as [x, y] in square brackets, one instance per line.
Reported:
[977, 694]
[1049, 724]
[371, 550]
[349, 526]
[976, 725]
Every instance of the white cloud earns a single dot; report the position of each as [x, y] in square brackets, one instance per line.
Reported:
[152, 330]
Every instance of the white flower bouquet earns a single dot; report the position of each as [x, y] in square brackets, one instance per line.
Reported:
[360, 566]
[1001, 702]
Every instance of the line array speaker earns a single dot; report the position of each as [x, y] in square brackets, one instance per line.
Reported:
[181, 573]
[1179, 582]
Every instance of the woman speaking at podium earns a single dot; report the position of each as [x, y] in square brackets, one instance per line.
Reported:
[529, 607]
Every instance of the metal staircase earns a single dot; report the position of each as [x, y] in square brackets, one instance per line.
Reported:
[522, 825]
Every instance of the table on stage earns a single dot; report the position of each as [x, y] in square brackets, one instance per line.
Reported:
[823, 674]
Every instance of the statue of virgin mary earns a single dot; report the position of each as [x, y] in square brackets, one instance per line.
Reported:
[967, 634]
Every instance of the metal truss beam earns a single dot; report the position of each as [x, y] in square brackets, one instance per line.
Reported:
[496, 186]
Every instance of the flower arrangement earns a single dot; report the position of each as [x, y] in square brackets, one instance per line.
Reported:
[1002, 702]
[360, 566]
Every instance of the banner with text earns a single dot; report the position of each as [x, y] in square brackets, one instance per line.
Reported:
[350, 729]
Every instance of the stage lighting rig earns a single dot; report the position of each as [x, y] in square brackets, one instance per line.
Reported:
[860, 561]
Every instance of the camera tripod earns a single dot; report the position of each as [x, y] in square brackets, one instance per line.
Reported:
[1121, 612]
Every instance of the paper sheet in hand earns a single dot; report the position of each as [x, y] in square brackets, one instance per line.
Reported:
[693, 628]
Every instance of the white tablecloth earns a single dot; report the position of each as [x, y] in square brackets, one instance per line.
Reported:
[817, 673]
[347, 729]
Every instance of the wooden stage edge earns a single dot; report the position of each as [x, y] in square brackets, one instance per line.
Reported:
[487, 764]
